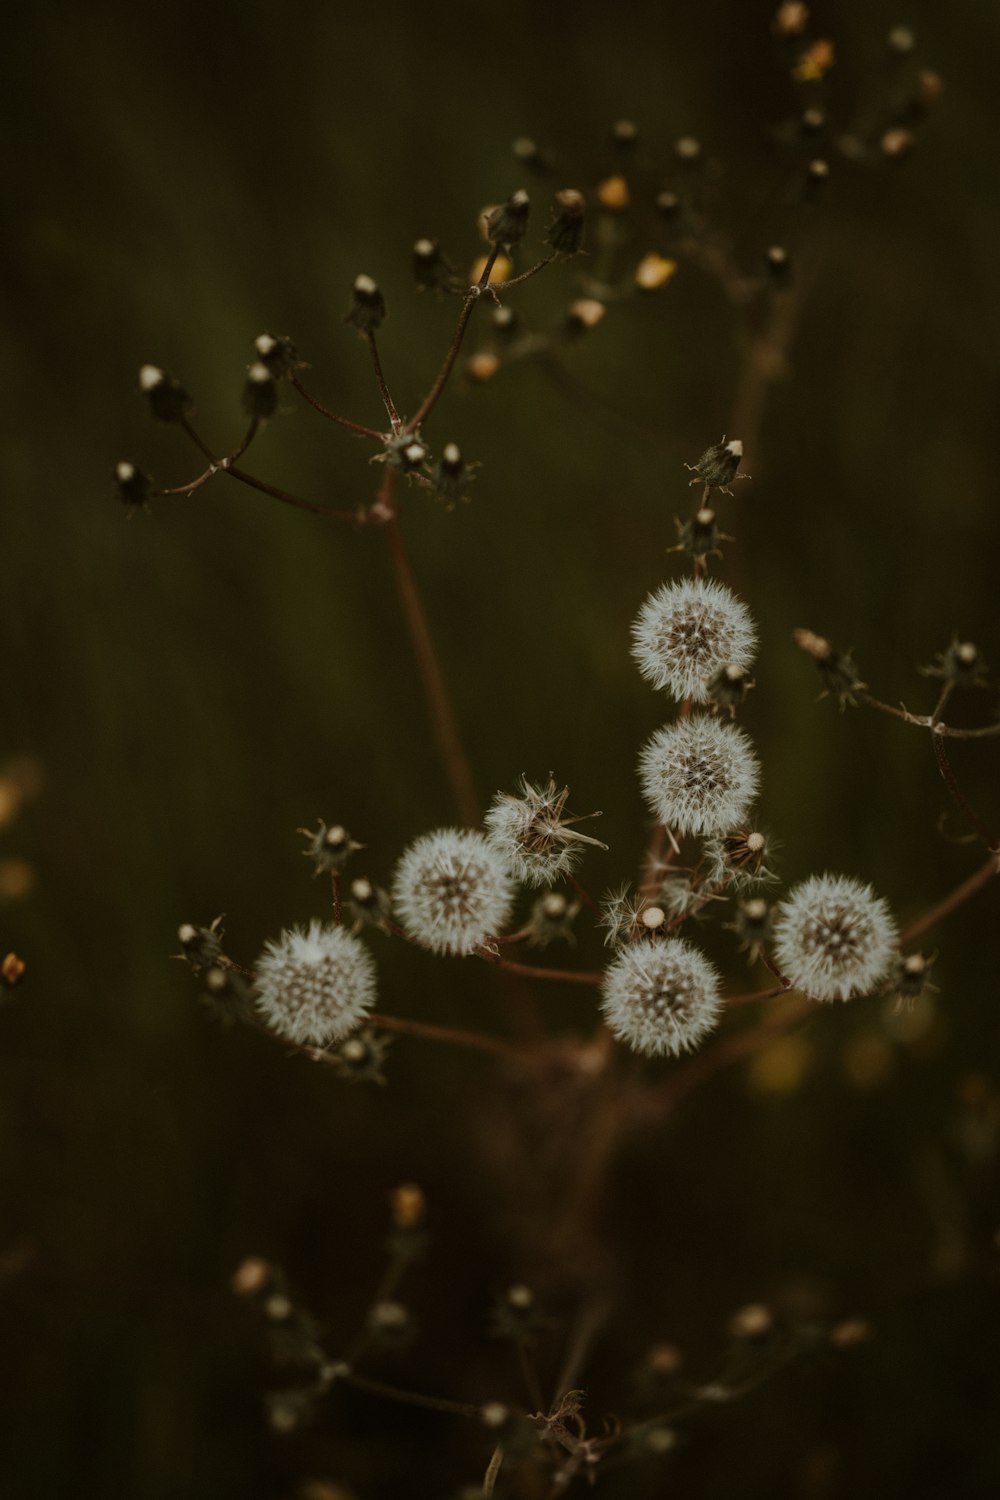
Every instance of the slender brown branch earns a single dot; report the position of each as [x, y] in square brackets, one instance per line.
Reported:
[439, 706]
[387, 401]
[531, 971]
[408, 1398]
[951, 902]
[503, 286]
[959, 797]
[356, 427]
[583, 894]
[928, 721]
[472, 297]
[753, 995]
[456, 1037]
[227, 466]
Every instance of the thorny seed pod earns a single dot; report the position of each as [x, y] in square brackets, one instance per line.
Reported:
[551, 920]
[719, 465]
[729, 688]
[404, 452]
[360, 1058]
[507, 224]
[367, 904]
[565, 234]
[517, 1314]
[961, 665]
[168, 400]
[202, 945]
[329, 848]
[752, 925]
[133, 486]
[836, 668]
[451, 475]
[433, 272]
[911, 976]
[260, 392]
[700, 536]
[367, 310]
[278, 354]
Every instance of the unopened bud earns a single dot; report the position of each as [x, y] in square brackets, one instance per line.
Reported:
[901, 40]
[718, 466]
[688, 151]
[133, 486]
[624, 135]
[260, 393]
[251, 1276]
[481, 367]
[432, 271]
[653, 272]
[408, 1205]
[367, 310]
[507, 224]
[753, 1322]
[12, 970]
[566, 230]
[791, 19]
[897, 143]
[613, 195]
[278, 354]
[168, 400]
[584, 314]
[668, 204]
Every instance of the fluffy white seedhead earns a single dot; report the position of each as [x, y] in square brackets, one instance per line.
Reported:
[834, 938]
[534, 833]
[699, 775]
[687, 632]
[315, 984]
[661, 996]
[451, 890]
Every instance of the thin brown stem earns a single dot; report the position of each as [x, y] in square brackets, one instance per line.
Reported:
[472, 297]
[928, 721]
[959, 797]
[335, 882]
[754, 995]
[531, 971]
[408, 1398]
[439, 705]
[456, 1037]
[583, 894]
[493, 1469]
[503, 286]
[228, 467]
[356, 427]
[387, 401]
[951, 902]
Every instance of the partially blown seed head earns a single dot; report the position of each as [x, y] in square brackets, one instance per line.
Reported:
[535, 834]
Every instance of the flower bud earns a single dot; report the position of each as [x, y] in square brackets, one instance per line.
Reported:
[901, 41]
[836, 668]
[360, 1058]
[481, 367]
[584, 314]
[367, 904]
[405, 452]
[813, 121]
[700, 536]
[624, 136]
[329, 848]
[752, 1323]
[566, 230]
[896, 143]
[791, 19]
[202, 945]
[961, 665]
[260, 393]
[779, 266]
[517, 1314]
[390, 1325]
[432, 270]
[717, 467]
[613, 195]
[12, 970]
[729, 688]
[668, 204]
[279, 355]
[551, 919]
[133, 486]
[505, 322]
[451, 475]
[817, 175]
[653, 272]
[911, 976]
[168, 400]
[367, 310]
[506, 225]
[688, 151]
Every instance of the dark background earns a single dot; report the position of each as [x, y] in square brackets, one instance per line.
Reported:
[196, 685]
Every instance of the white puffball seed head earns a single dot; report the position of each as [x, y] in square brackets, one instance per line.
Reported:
[834, 938]
[451, 890]
[689, 631]
[661, 997]
[699, 775]
[315, 985]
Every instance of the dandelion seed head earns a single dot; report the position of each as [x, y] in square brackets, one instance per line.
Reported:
[315, 984]
[534, 834]
[689, 631]
[699, 775]
[451, 890]
[661, 997]
[834, 938]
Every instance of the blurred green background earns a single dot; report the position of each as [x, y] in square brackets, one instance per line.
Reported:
[196, 685]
